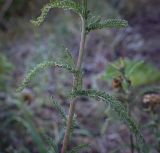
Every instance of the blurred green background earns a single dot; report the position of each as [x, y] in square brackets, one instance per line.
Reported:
[25, 118]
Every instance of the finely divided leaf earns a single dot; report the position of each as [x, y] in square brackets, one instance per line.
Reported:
[67, 58]
[43, 66]
[119, 109]
[65, 4]
[60, 109]
[95, 23]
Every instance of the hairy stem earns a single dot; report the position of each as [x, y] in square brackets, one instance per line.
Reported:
[82, 44]
[78, 66]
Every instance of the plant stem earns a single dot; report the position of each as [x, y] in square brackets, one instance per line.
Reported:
[132, 145]
[78, 66]
[82, 45]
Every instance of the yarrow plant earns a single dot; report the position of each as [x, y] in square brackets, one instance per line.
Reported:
[89, 23]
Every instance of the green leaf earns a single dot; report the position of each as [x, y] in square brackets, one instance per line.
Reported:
[139, 72]
[133, 67]
[119, 109]
[44, 66]
[95, 23]
[145, 74]
[63, 115]
[65, 4]
[92, 20]
[60, 109]
[67, 58]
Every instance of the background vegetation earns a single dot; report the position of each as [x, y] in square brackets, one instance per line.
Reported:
[27, 118]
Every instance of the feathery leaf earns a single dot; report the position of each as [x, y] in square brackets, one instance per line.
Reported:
[117, 107]
[43, 66]
[65, 4]
[67, 58]
[95, 23]
[60, 109]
